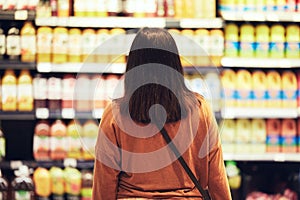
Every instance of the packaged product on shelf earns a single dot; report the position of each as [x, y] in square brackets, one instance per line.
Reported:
[86, 184]
[13, 42]
[68, 91]
[250, 5]
[261, 6]
[273, 135]
[114, 7]
[227, 5]
[213, 83]
[82, 93]
[292, 41]
[289, 89]
[79, 8]
[22, 184]
[160, 8]
[270, 5]
[169, 8]
[9, 4]
[189, 8]
[277, 41]
[57, 183]
[102, 46]
[298, 6]
[42, 183]
[129, 7]
[2, 43]
[100, 97]
[72, 178]
[228, 135]
[58, 131]
[202, 39]
[44, 44]
[25, 93]
[258, 136]
[209, 8]
[43, 9]
[240, 5]
[234, 174]
[291, 5]
[28, 42]
[259, 83]
[2, 146]
[113, 87]
[274, 85]
[216, 46]
[228, 80]
[74, 45]
[41, 141]
[288, 136]
[74, 146]
[3, 187]
[101, 8]
[54, 7]
[243, 135]
[231, 40]
[89, 136]
[262, 39]
[60, 45]
[280, 5]
[140, 8]
[151, 7]
[9, 91]
[198, 85]
[247, 41]
[21, 5]
[88, 45]
[90, 8]
[188, 48]
[244, 88]
[179, 8]
[118, 49]
[63, 8]
[40, 91]
[54, 94]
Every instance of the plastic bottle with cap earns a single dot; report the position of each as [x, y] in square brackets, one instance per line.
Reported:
[233, 173]
[22, 184]
[3, 187]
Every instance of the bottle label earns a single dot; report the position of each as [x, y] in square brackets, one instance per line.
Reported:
[2, 149]
[40, 88]
[22, 195]
[25, 95]
[60, 43]
[54, 88]
[41, 143]
[9, 94]
[75, 45]
[231, 48]
[2, 44]
[89, 43]
[273, 140]
[289, 140]
[68, 86]
[13, 45]
[28, 45]
[73, 144]
[44, 42]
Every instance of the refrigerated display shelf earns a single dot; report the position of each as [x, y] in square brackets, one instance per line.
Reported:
[67, 113]
[273, 157]
[15, 115]
[129, 22]
[17, 15]
[260, 62]
[264, 113]
[13, 64]
[261, 16]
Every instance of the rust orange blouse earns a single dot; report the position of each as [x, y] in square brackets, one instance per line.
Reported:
[133, 160]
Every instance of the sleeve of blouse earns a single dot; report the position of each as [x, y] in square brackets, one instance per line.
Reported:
[107, 160]
[217, 179]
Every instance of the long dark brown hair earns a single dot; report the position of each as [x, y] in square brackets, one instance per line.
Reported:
[152, 48]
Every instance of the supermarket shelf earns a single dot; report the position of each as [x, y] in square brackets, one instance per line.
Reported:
[15, 115]
[17, 15]
[44, 113]
[193, 70]
[262, 16]
[273, 157]
[232, 113]
[116, 68]
[11, 64]
[260, 62]
[129, 22]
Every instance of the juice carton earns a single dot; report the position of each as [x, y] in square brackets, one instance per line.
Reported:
[289, 89]
[74, 45]
[243, 135]
[273, 135]
[60, 45]
[58, 131]
[274, 89]
[277, 41]
[228, 80]
[9, 91]
[247, 41]
[243, 88]
[262, 39]
[259, 83]
[25, 93]
[74, 146]
[44, 44]
[292, 41]
[57, 183]
[42, 183]
[41, 141]
[258, 136]
[289, 136]
[231, 40]
[228, 135]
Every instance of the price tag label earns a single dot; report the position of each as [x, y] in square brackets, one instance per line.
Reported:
[68, 113]
[42, 113]
[44, 67]
[97, 113]
[15, 164]
[21, 14]
[70, 162]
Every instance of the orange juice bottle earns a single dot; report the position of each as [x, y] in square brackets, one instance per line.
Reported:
[58, 131]
[101, 9]
[28, 42]
[229, 84]
[88, 45]
[244, 88]
[179, 8]
[25, 93]
[262, 38]
[60, 45]
[64, 8]
[74, 45]
[41, 141]
[189, 11]
[273, 135]
[217, 46]
[289, 89]
[289, 136]
[9, 91]
[42, 182]
[89, 135]
[231, 40]
[247, 41]
[44, 44]
[259, 89]
[292, 41]
[274, 89]
[118, 52]
[277, 41]
[74, 132]
[102, 46]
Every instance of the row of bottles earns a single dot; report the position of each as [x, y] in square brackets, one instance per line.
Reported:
[259, 5]
[59, 140]
[135, 8]
[260, 135]
[46, 184]
[259, 89]
[18, 4]
[262, 41]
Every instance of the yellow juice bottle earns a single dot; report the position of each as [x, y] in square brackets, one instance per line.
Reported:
[74, 45]
[60, 45]
[102, 49]
[247, 41]
[289, 89]
[274, 89]
[258, 136]
[189, 9]
[28, 42]
[277, 41]
[292, 41]
[244, 88]
[89, 136]
[188, 50]
[243, 135]
[74, 146]
[231, 40]
[259, 89]
[88, 45]
[25, 93]
[179, 8]
[9, 91]
[216, 46]
[202, 51]
[288, 136]
[44, 44]
[228, 80]
[117, 53]
[262, 39]
[228, 135]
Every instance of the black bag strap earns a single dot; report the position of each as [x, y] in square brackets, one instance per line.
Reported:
[205, 193]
